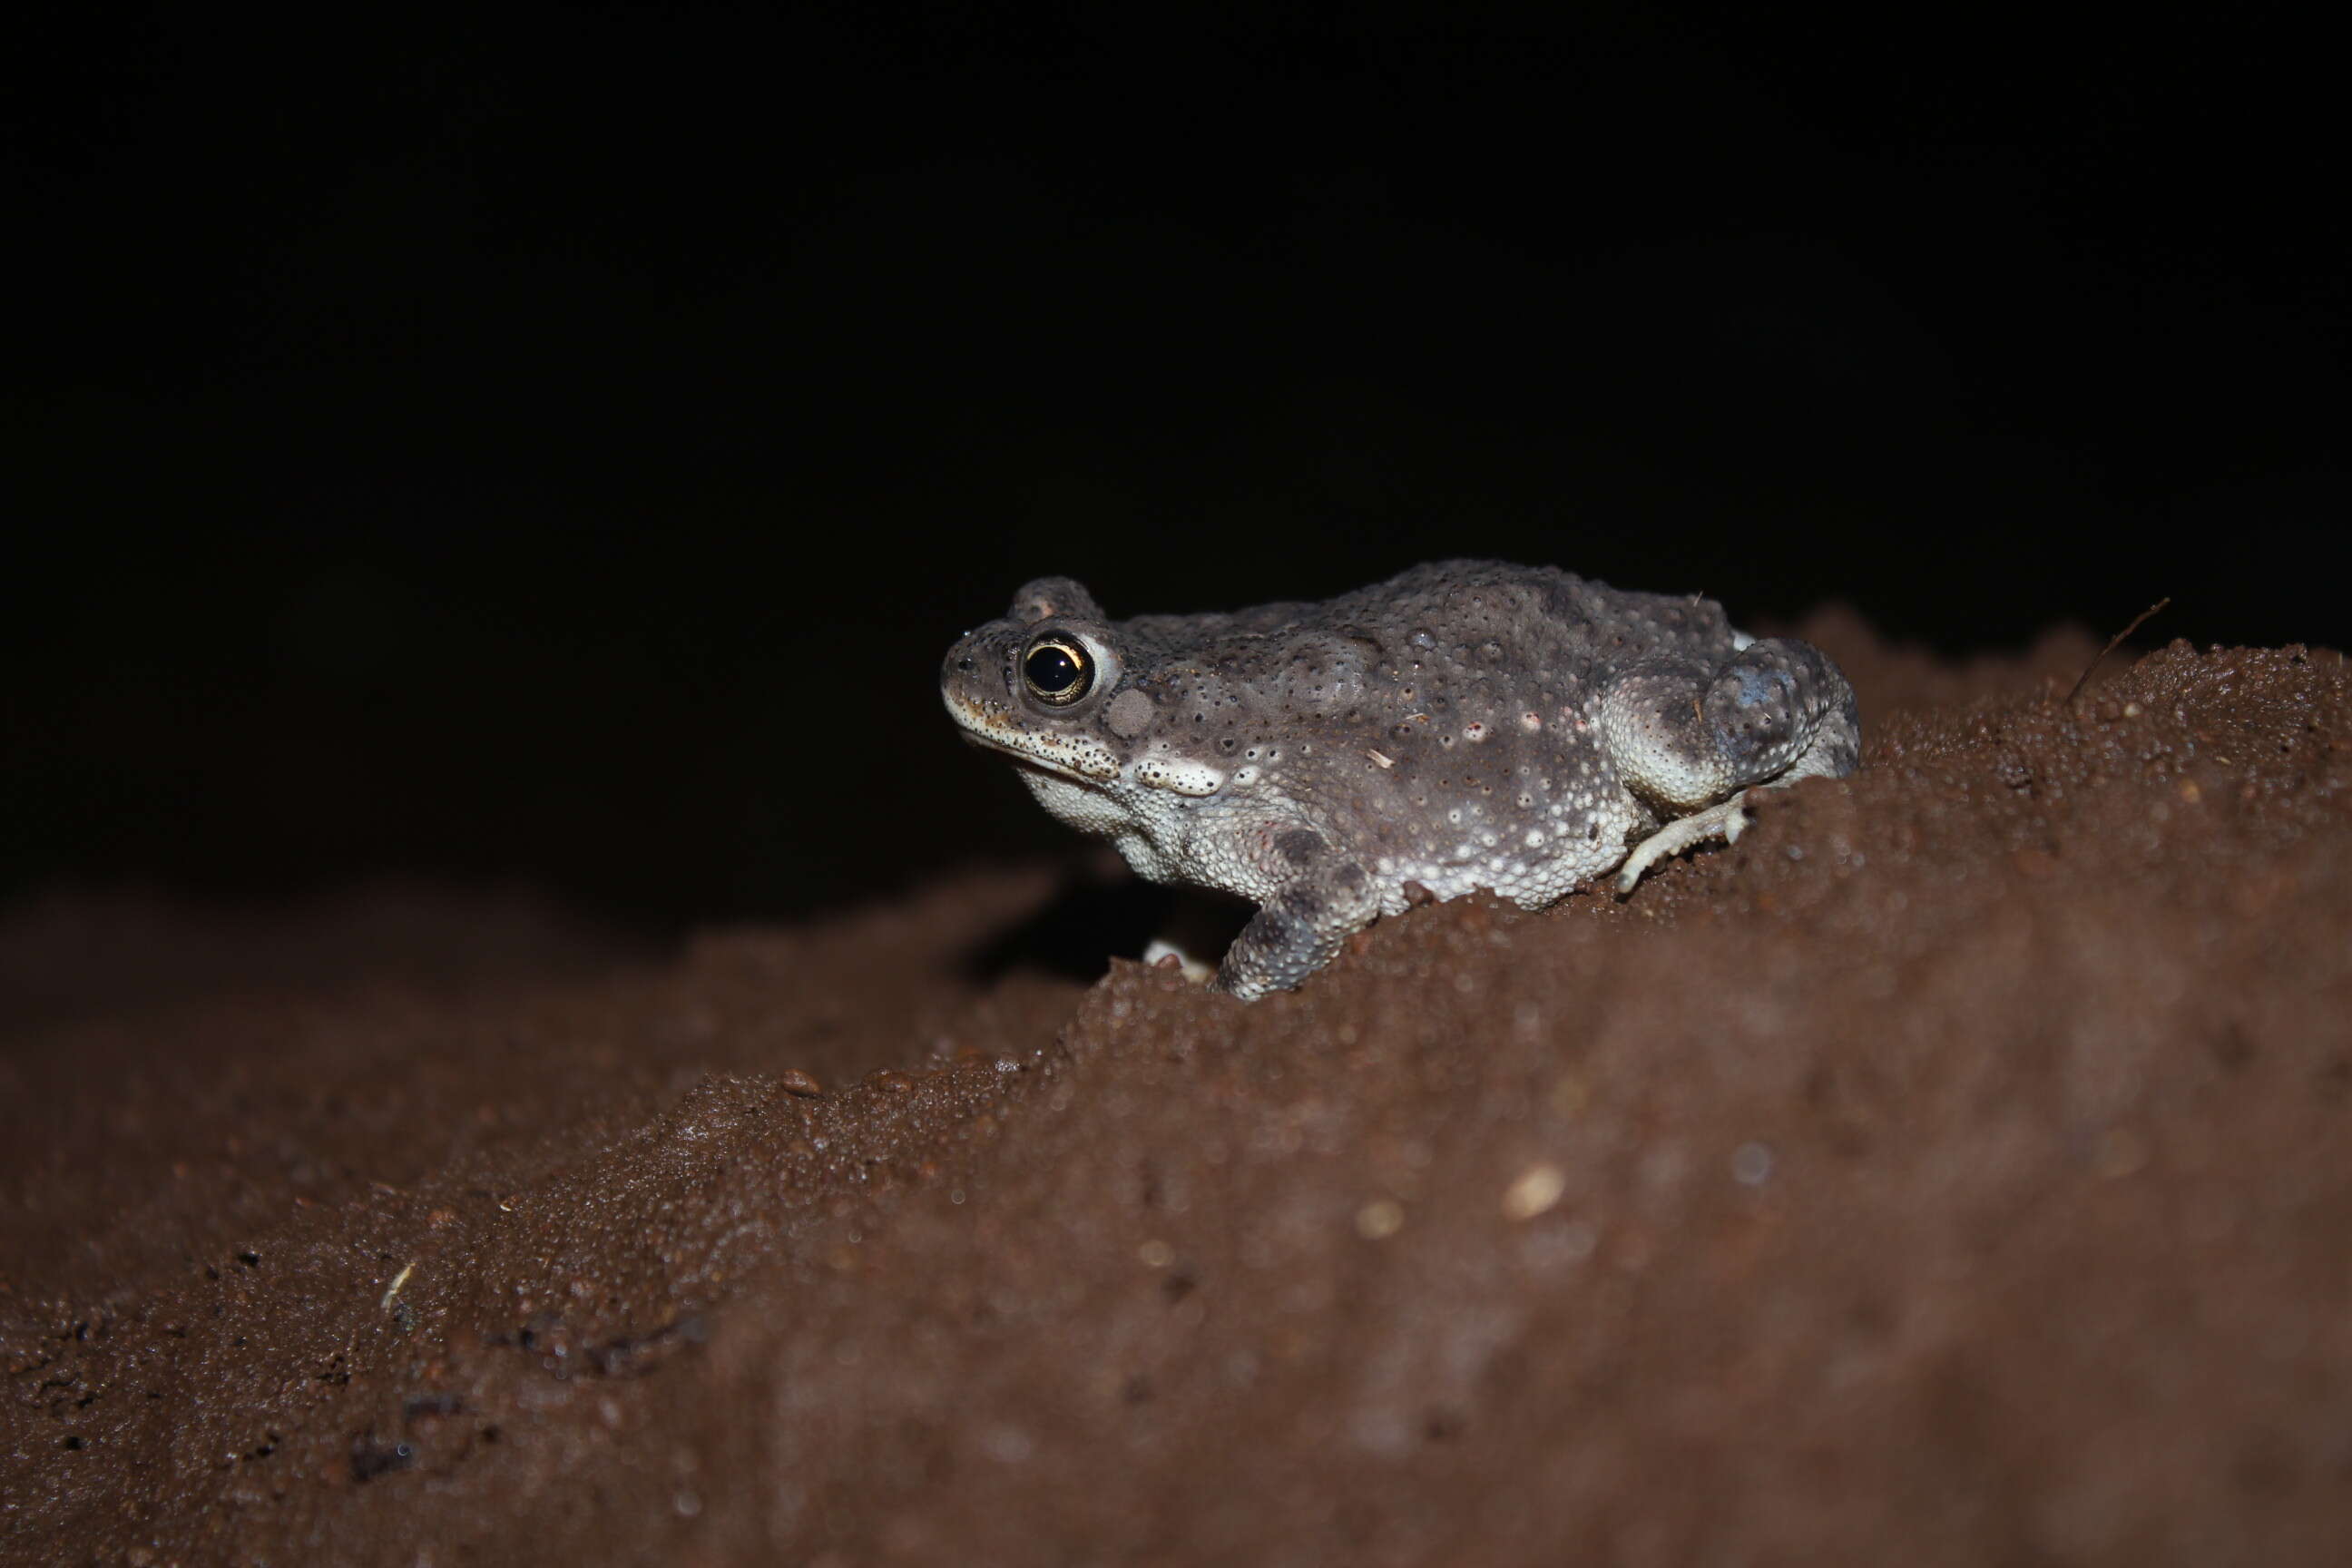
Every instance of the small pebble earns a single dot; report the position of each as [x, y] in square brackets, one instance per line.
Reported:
[1536, 1189]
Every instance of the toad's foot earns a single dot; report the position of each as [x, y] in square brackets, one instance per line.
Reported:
[1161, 950]
[1725, 821]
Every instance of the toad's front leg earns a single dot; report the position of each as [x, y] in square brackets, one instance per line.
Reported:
[1325, 898]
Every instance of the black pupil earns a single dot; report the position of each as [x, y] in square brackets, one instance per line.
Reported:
[1053, 671]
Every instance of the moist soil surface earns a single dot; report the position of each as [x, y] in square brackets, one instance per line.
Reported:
[1957, 1170]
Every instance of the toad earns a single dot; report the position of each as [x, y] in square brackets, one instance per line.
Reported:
[1465, 724]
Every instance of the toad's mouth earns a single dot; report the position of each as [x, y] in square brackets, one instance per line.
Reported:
[1031, 761]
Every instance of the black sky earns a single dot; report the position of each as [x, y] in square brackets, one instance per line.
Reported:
[557, 443]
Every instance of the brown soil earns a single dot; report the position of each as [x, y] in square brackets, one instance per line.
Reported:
[1958, 1170]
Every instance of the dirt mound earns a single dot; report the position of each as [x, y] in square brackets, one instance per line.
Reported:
[1954, 1170]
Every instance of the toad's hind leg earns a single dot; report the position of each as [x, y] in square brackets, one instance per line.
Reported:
[1687, 740]
[1726, 821]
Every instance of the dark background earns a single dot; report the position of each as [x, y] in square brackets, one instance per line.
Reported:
[556, 445]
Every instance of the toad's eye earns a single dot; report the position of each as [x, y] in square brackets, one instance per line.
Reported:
[1058, 670]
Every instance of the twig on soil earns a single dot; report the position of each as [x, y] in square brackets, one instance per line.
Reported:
[2114, 643]
[397, 1281]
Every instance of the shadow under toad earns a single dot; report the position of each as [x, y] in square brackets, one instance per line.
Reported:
[1092, 919]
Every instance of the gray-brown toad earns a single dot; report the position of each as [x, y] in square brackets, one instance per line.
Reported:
[1465, 724]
